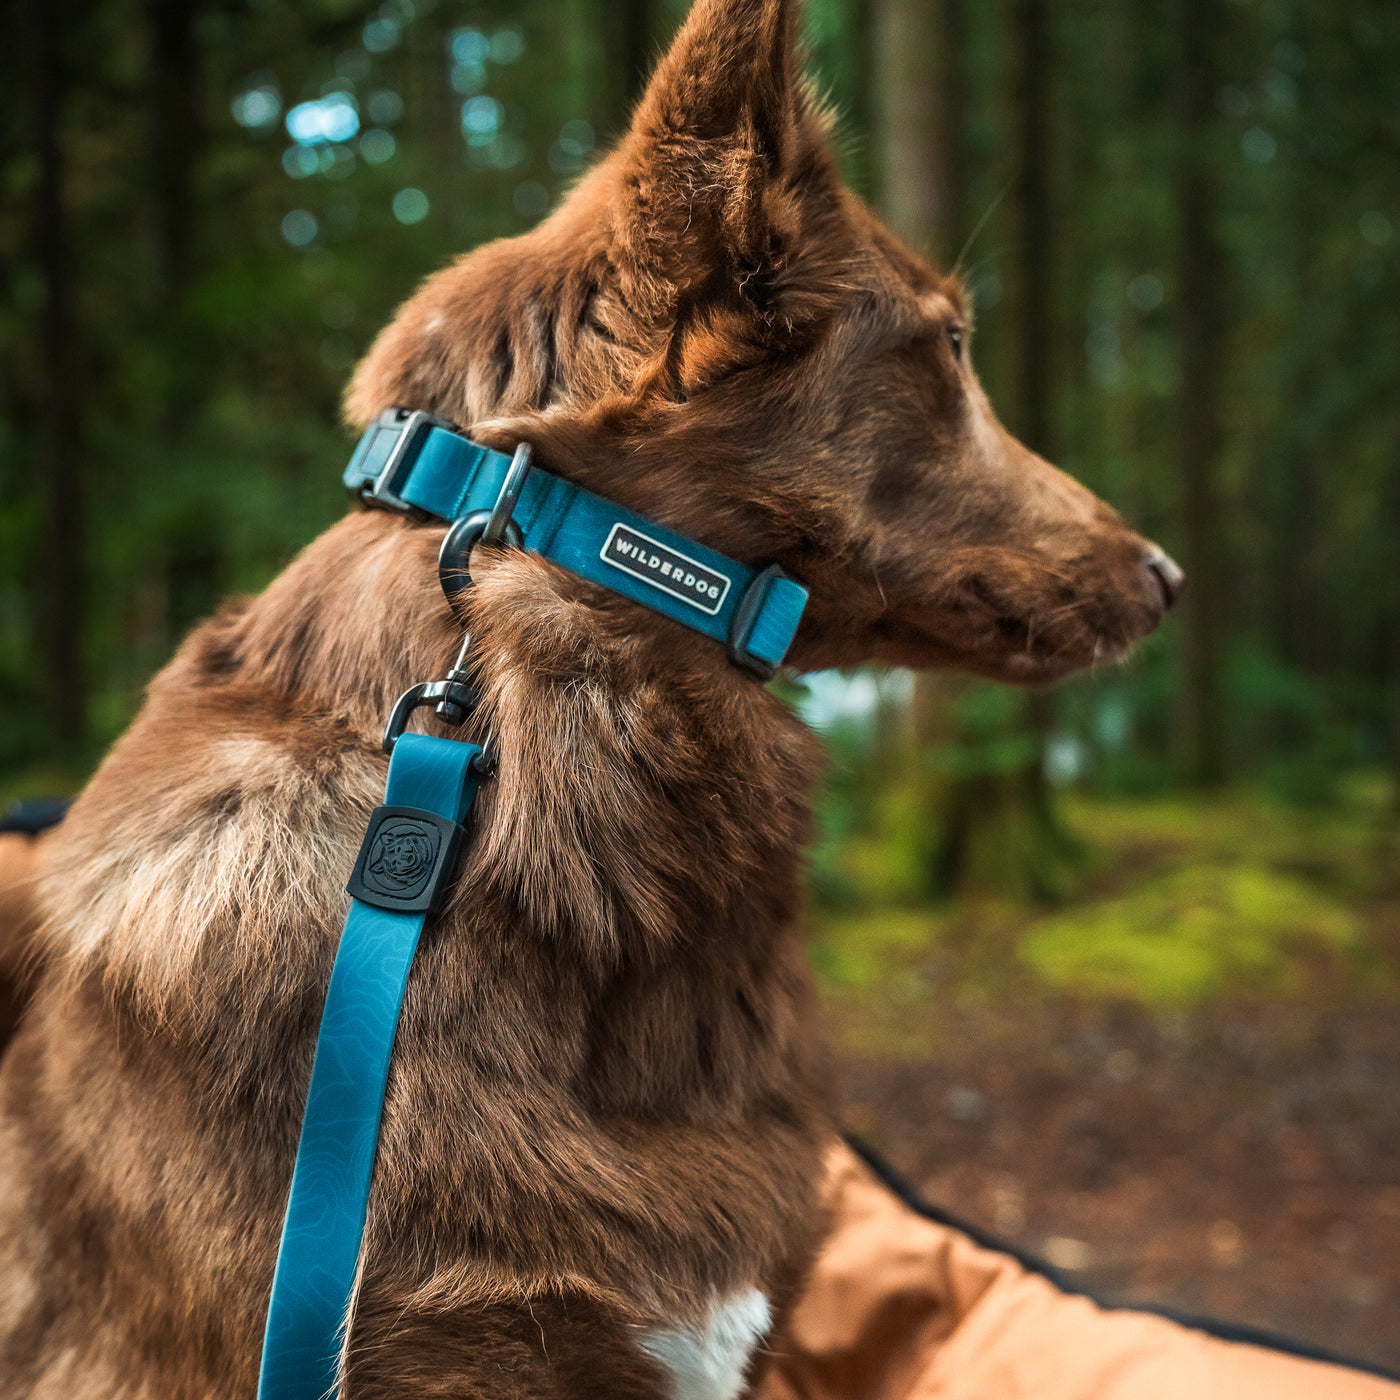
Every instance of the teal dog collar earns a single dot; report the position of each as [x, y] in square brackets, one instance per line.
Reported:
[416, 464]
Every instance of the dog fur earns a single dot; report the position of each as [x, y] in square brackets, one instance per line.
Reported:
[599, 1164]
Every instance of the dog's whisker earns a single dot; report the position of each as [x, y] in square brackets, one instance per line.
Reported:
[995, 203]
[875, 575]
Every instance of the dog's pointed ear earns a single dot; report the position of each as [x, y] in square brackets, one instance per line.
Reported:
[721, 140]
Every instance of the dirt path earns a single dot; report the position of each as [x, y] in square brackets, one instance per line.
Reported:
[1242, 1163]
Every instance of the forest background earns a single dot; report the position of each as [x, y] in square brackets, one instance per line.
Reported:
[1180, 225]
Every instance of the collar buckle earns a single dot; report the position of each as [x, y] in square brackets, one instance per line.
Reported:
[386, 455]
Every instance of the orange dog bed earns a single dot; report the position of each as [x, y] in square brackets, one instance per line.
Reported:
[904, 1307]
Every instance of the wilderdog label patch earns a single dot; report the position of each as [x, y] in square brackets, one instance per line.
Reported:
[652, 562]
[406, 860]
[401, 858]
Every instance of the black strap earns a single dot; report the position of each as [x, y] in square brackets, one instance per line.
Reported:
[36, 815]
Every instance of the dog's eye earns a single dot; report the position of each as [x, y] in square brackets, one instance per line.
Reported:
[955, 339]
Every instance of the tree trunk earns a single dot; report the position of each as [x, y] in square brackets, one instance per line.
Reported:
[984, 823]
[175, 139]
[1394, 716]
[1388, 627]
[632, 52]
[1201, 333]
[905, 112]
[1047, 850]
[1037, 227]
[908, 164]
[954, 118]
[193, 565]
[61, 572]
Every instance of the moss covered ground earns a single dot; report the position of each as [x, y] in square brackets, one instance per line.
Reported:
[1176, 903]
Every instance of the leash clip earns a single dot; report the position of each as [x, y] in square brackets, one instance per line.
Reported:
[456, 699]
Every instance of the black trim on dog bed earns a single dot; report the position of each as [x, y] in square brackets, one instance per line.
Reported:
[1222, 1331]
[36, 815]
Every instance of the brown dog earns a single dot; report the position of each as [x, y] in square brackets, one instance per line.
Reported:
[600, 1155]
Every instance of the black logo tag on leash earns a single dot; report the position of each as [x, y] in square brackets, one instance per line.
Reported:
[662, 567]
[406, 860]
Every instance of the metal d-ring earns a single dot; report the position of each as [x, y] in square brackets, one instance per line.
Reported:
[503, 512]
[489, 527]
[455, 699]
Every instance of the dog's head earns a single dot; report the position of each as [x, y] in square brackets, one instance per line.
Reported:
[713, 330]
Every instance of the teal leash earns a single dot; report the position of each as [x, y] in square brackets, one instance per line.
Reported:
[406, 860]
[421, 466]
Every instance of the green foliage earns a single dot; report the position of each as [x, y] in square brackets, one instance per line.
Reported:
[218, 302]
[223, 278]
[1193, 934]
[992, 735]
[858, 952]
[1184, 902]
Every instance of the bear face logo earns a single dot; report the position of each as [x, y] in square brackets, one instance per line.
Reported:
[402, 857]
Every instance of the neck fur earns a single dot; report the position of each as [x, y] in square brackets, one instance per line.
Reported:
[648, 791]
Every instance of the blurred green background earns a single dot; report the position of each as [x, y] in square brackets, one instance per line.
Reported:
[1181, 227]
[1112, 969]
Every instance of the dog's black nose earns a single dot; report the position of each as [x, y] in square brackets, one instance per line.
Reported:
[1162, 569]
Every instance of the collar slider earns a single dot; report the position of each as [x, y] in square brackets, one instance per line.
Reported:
[765, 621]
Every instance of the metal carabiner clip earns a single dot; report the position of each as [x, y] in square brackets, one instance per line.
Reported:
[455, 699]
[494, 527]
